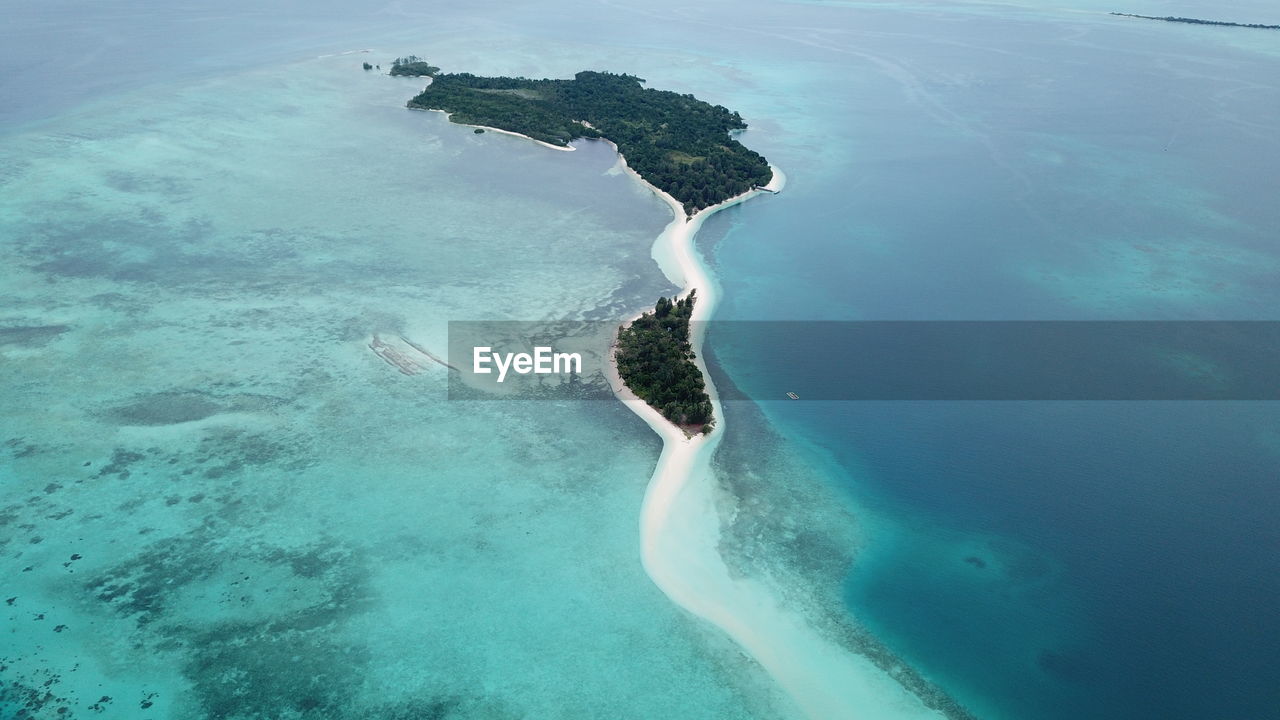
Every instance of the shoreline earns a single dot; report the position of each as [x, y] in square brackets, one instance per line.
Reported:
[680, 528]
[486, 128]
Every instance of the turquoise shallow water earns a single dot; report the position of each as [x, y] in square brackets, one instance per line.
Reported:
[200, 242]
[220, 502]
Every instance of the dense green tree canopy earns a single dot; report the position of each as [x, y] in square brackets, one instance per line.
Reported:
[679, 143]
[655, 360]
[413, 66]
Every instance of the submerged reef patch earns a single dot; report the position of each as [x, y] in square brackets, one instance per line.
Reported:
[247, 653]
[166, 408]
[31, 335]
[121, 459]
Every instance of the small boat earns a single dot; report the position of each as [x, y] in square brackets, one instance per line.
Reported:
[793, 396]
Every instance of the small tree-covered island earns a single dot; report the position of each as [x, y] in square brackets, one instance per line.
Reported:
[412, 66]
[679, 143]
[655, 360]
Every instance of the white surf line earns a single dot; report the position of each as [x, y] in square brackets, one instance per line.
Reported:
[680, 533]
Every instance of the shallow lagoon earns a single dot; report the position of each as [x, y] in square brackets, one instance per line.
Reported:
[220, 502]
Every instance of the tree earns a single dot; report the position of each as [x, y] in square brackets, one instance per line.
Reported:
[655, 360]
[680, 144]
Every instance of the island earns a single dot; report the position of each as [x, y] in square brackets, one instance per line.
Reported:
[678, 143]
[413, 66]
[655, 360]
[1197, 21]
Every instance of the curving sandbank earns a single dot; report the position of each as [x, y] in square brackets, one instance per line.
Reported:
[680, 532]
[680, 523]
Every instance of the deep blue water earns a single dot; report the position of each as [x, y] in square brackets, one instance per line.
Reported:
[1140, 580]
[1048, 559]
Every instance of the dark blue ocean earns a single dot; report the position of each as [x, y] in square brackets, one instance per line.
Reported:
[1060, 560]
[1041, 559]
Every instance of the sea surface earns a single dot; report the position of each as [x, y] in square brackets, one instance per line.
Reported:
[217, 501]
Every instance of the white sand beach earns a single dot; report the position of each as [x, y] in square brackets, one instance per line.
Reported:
[680, 533]
[499, 130]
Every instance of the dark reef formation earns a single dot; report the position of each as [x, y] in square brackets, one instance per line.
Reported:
[1197, 21]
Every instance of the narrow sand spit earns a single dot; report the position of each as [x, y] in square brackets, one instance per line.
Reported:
[680, 532]
[680, 525]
